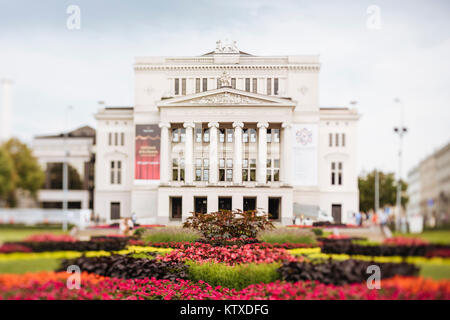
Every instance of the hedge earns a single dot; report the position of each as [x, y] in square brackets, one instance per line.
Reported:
[233, 277]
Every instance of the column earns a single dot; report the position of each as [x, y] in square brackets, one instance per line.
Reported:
[262, 152]
[164, 161]
[237, 155]
[213, 152]
[189, 152]
[286, 154]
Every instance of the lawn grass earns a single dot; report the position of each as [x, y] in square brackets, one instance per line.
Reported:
[19, 234]
[23, 266]
[435, 272]
[288, 235]
[433, 236]
[168, 234]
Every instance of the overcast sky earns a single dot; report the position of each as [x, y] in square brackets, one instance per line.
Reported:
[407, 57]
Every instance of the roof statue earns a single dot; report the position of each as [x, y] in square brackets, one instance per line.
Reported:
[226, 47]
[225, 80]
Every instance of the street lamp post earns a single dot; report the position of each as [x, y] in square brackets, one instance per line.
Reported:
[66, 172]
[401, 131]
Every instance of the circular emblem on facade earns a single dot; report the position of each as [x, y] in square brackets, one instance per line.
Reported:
[303, 136]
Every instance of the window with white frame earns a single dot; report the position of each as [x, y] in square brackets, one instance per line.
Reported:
[336, 173]
[225, 169]
[248, 169]
[252, 135]
[201, 169]
[177, 169]
[273, 170]
[269, 86]
[343, 140]
[116, 172]
[178, 134]
[273, 135]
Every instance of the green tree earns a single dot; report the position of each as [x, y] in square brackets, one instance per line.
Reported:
[8, 176]
[30, 176]
[387, 189]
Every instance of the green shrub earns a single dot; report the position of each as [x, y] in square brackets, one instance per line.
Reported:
[317, 231]
[168, 234]
[233, 277]
[288, 235]
[228, 224]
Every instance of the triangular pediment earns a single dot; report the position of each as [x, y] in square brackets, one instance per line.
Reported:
[226, 97]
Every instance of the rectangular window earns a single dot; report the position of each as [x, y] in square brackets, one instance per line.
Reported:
[269, 86]
[247, 84]
[177, 86]
[222, 169]
[178, 169]
[206, 135]
[343, 139]
[183, 86]
[119, 172]
[255, 85]
[109, 138]
[205, 84]
[229, 172]
[269, 136]
[337, 139]
[221, 135]
[252, 135]
[276, 135]
[112, 172]
[182, 134]
[336, 173]
[116, 139]
[330, 139]
[245, 136]
[218, 83]
[175, 135]
[275, 86]
[233, 83]
[198, 135]
[229, 135]
[197, 85]
[122, 138]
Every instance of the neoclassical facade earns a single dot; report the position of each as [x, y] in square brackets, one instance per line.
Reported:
[226, 130]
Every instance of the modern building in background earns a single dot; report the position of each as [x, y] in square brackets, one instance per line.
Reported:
[226, 130]
[429, 188]
[50, 152]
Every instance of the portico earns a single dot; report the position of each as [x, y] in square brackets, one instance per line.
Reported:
[225, 143]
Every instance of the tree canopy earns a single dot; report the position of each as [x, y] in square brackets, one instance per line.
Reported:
[387, 191]
[26, 173]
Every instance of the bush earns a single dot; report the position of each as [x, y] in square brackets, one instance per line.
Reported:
[342, 272]
[95, 244]
[128, 267]
[233, 277]
[317, 231]
[170, 234]
[288, 235]
[347, 247]
[228, 224]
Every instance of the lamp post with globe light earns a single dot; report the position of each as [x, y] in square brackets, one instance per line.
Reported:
[401, 130]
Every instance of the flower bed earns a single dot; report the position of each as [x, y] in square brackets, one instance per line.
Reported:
[49, 237]
[347, 247]
[53, 286]
[103, 243]
[229, 255]
[128, 267]
[341, 272]
[405, 241]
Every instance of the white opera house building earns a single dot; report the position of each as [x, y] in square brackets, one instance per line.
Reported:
[226, 130]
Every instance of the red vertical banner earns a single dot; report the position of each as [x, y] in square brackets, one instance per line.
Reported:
[147, 148]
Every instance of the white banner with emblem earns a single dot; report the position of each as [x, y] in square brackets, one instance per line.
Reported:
[305, 154]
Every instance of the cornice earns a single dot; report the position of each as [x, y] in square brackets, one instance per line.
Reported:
[193, 67]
